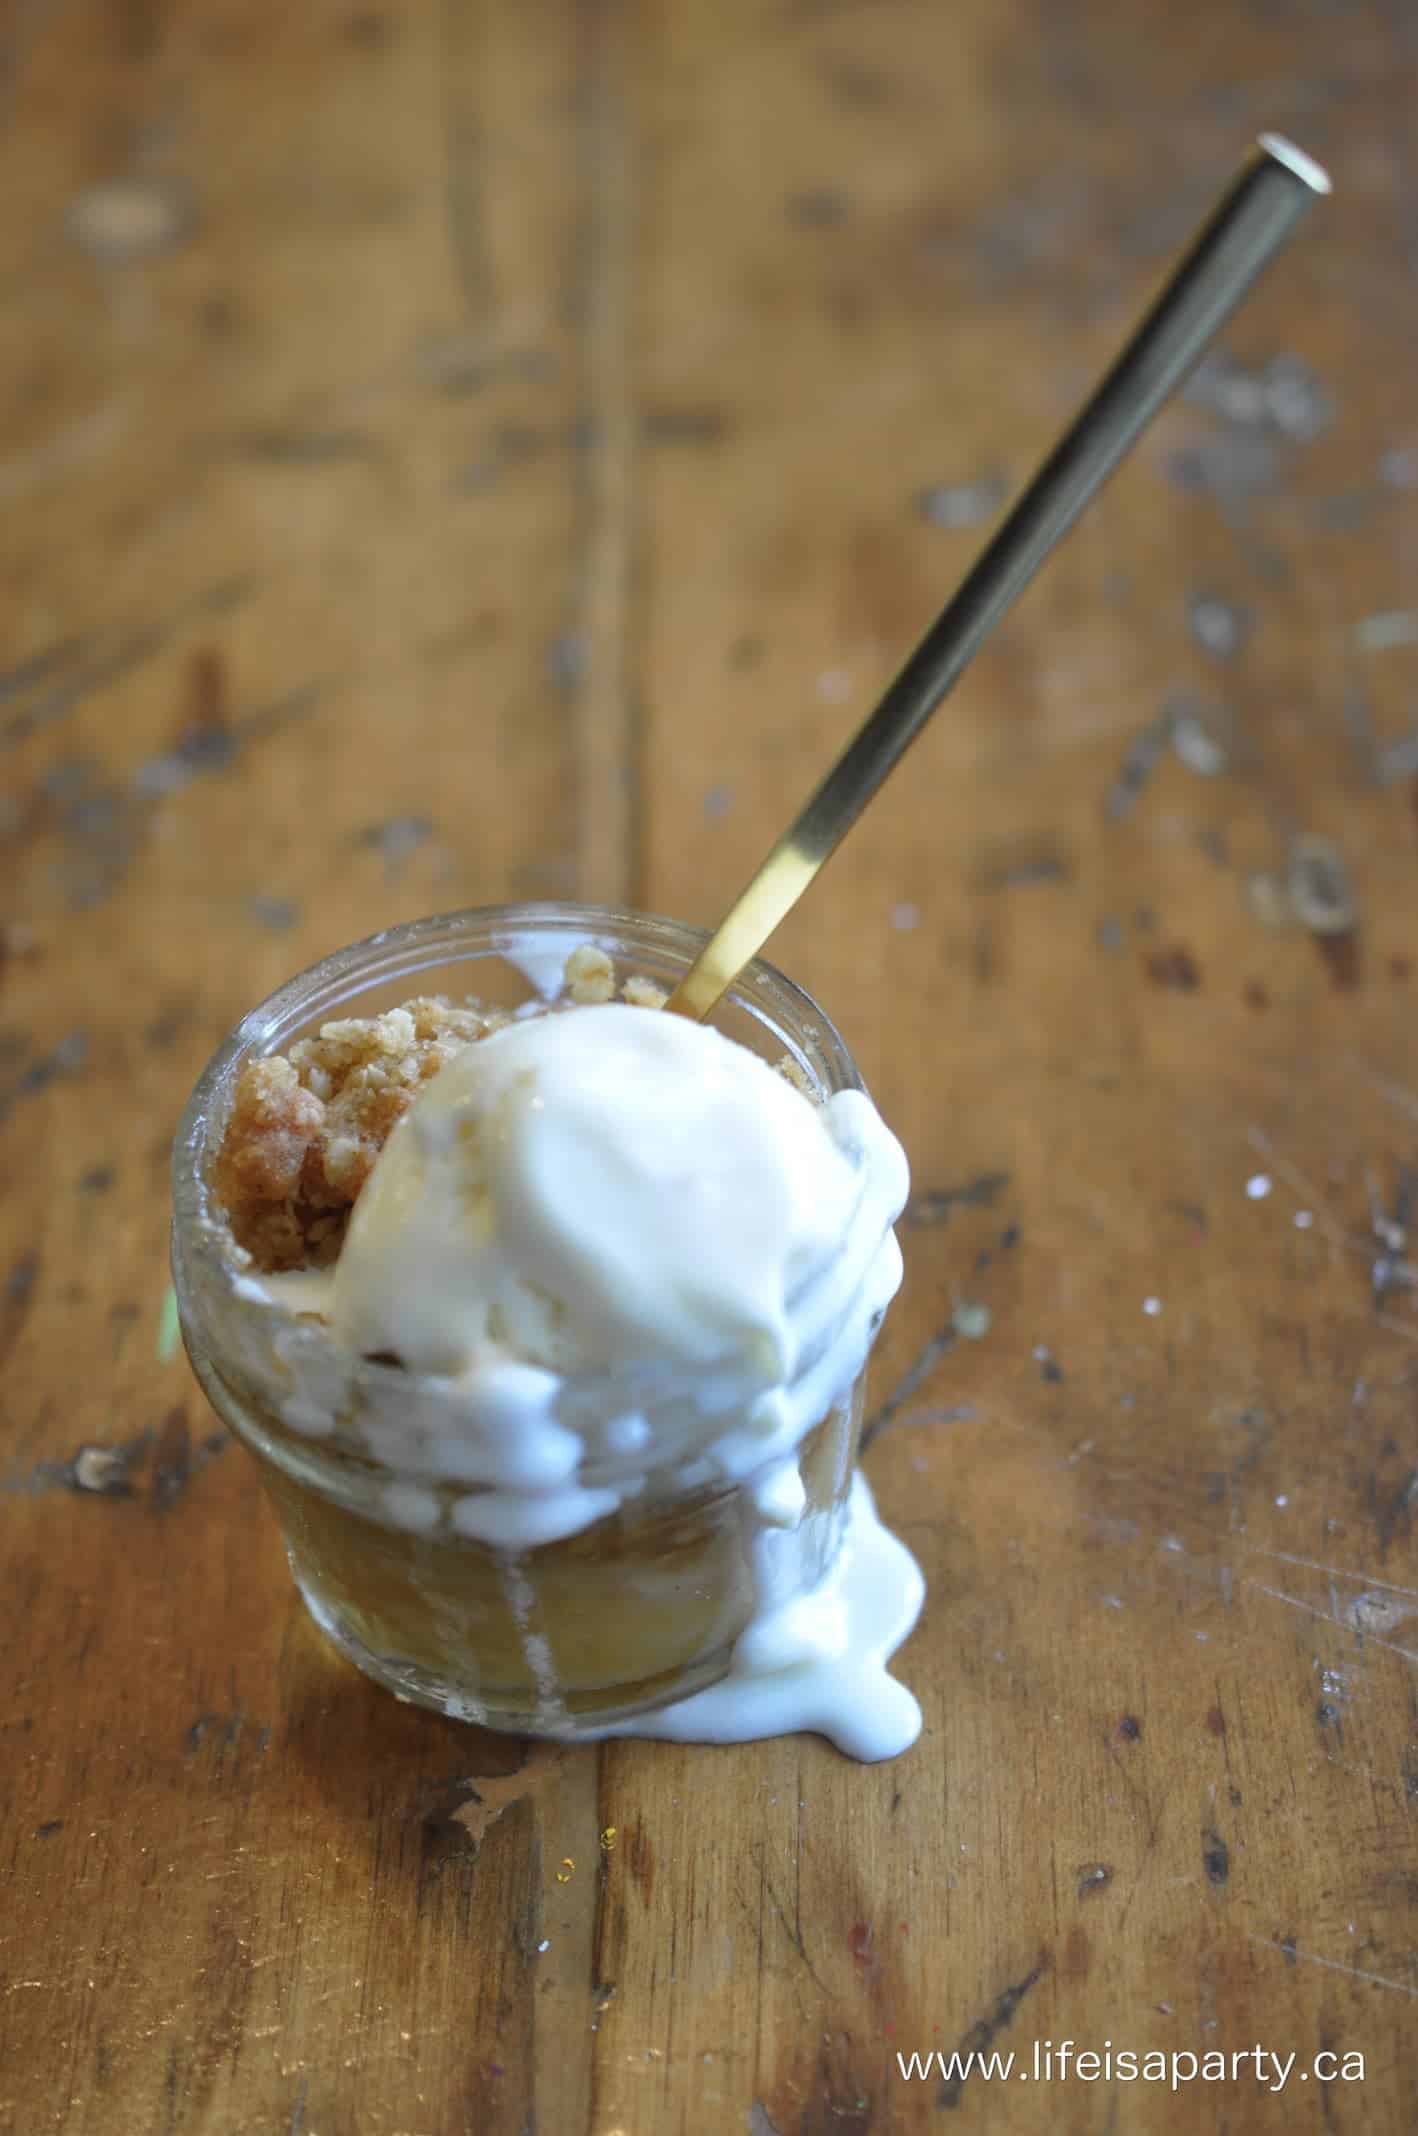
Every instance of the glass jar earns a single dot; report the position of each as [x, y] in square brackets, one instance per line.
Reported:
[570, 1636]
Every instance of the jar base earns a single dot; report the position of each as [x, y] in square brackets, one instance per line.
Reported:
[414, 1685]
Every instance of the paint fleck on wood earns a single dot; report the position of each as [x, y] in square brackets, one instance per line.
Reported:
[1174, 969]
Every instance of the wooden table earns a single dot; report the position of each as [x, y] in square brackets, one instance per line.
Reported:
[453, 454]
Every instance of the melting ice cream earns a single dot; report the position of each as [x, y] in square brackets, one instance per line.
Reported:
[612, 1242]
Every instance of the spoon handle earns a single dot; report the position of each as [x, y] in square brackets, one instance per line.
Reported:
[1242, 234]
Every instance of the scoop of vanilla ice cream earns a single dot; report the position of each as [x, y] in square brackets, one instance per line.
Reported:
[596, 1188]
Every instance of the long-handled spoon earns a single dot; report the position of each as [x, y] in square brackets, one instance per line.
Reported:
[1243, 233]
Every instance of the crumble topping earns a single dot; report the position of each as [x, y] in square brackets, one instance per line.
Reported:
[590, 976]
[306, 1126]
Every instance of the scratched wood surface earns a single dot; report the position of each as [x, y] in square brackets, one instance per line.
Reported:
[450, 454]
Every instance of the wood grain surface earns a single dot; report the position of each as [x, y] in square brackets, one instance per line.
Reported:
[452, 453]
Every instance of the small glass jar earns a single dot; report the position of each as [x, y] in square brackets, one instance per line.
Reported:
[571, 1636]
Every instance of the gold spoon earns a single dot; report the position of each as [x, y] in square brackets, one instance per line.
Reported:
[1243, 233]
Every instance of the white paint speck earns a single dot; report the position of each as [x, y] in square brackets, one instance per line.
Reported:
[1152, 1307]
[1304, 1218]
[131, 218]
[545, 1944]
[1258, 1186]
[1282, 1500]
[905, 918]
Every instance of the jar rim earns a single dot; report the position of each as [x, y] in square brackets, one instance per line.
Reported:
[413, 946]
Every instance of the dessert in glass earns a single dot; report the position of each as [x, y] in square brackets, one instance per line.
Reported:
[546, 1315]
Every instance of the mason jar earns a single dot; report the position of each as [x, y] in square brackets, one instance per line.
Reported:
[566, 1637]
